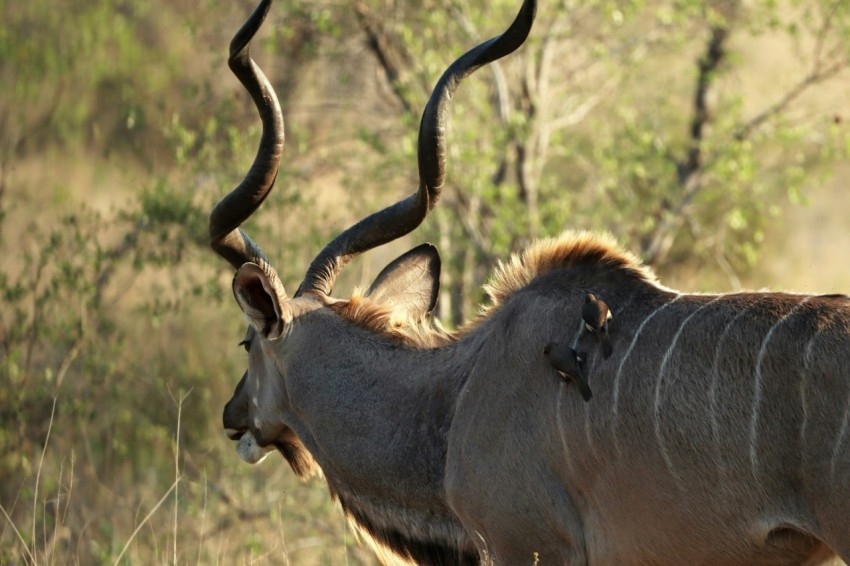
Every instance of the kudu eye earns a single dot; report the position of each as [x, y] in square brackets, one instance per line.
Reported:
[246, 344]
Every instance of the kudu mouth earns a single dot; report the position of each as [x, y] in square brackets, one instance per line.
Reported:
[250, 450]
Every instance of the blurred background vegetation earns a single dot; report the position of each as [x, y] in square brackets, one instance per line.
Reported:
[710, 136]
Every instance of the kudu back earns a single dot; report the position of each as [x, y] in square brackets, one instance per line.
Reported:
[717, 431]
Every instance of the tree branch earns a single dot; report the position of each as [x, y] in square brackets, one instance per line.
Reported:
[815, 77]
[708, 64]
[465, 212]
[688, 170]
[378, 42]
[821, 69]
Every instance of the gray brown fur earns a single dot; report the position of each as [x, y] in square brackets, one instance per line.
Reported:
[719, 432]
[703, 444]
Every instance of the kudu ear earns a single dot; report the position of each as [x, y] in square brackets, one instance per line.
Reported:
[409, 284]
[259, 299]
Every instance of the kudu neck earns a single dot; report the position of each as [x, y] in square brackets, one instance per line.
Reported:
[375, 414]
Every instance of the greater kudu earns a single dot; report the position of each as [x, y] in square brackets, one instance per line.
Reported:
[717, 432]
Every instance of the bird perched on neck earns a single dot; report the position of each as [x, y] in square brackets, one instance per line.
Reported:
[596, 315]
[568, 363]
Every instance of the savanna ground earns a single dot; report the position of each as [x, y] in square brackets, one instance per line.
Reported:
[708, 136]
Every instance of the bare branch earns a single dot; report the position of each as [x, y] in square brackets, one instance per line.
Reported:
[671, 216]
[532, 150]
[815, 77]
[579, 112]
[466, 210]
[387, 56]
[708, 64]
[825, 65]
[503, 100]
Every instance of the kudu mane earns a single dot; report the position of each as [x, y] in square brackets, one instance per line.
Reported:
[596, 257]
[376, 317]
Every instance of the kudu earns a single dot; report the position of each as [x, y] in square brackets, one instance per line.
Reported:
[717, 432]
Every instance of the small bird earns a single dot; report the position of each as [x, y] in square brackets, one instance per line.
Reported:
[596, 315]
[568, 362]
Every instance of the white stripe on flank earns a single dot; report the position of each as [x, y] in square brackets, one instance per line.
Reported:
[615, 413]
[841, 434]
[560, 419]
[804, 382]
[632, 346]
[561, 393]
[581, 330]
[591, 446]
[668, 460]
[754, 417]
[712, 394]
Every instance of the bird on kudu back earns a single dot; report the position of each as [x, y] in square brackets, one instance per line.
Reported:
[596, 315]
[568, 362]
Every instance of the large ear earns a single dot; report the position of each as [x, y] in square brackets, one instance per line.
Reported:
[409, 284]
[259, 299]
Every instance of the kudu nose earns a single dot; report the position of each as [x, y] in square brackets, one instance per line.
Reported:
[250, 450]
[235, 417]
[235, 421]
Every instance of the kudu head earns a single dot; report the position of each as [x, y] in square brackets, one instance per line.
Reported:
[406, 289]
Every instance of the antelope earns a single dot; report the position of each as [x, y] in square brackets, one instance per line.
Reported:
[718, 431]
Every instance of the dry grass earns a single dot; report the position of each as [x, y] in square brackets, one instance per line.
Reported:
[286, 524]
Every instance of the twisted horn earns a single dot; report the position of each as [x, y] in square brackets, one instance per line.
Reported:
[401, 218]
[226, 238]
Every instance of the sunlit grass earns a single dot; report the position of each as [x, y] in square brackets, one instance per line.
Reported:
[285, 523]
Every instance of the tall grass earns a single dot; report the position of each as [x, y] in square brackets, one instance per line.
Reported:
[301, 529]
